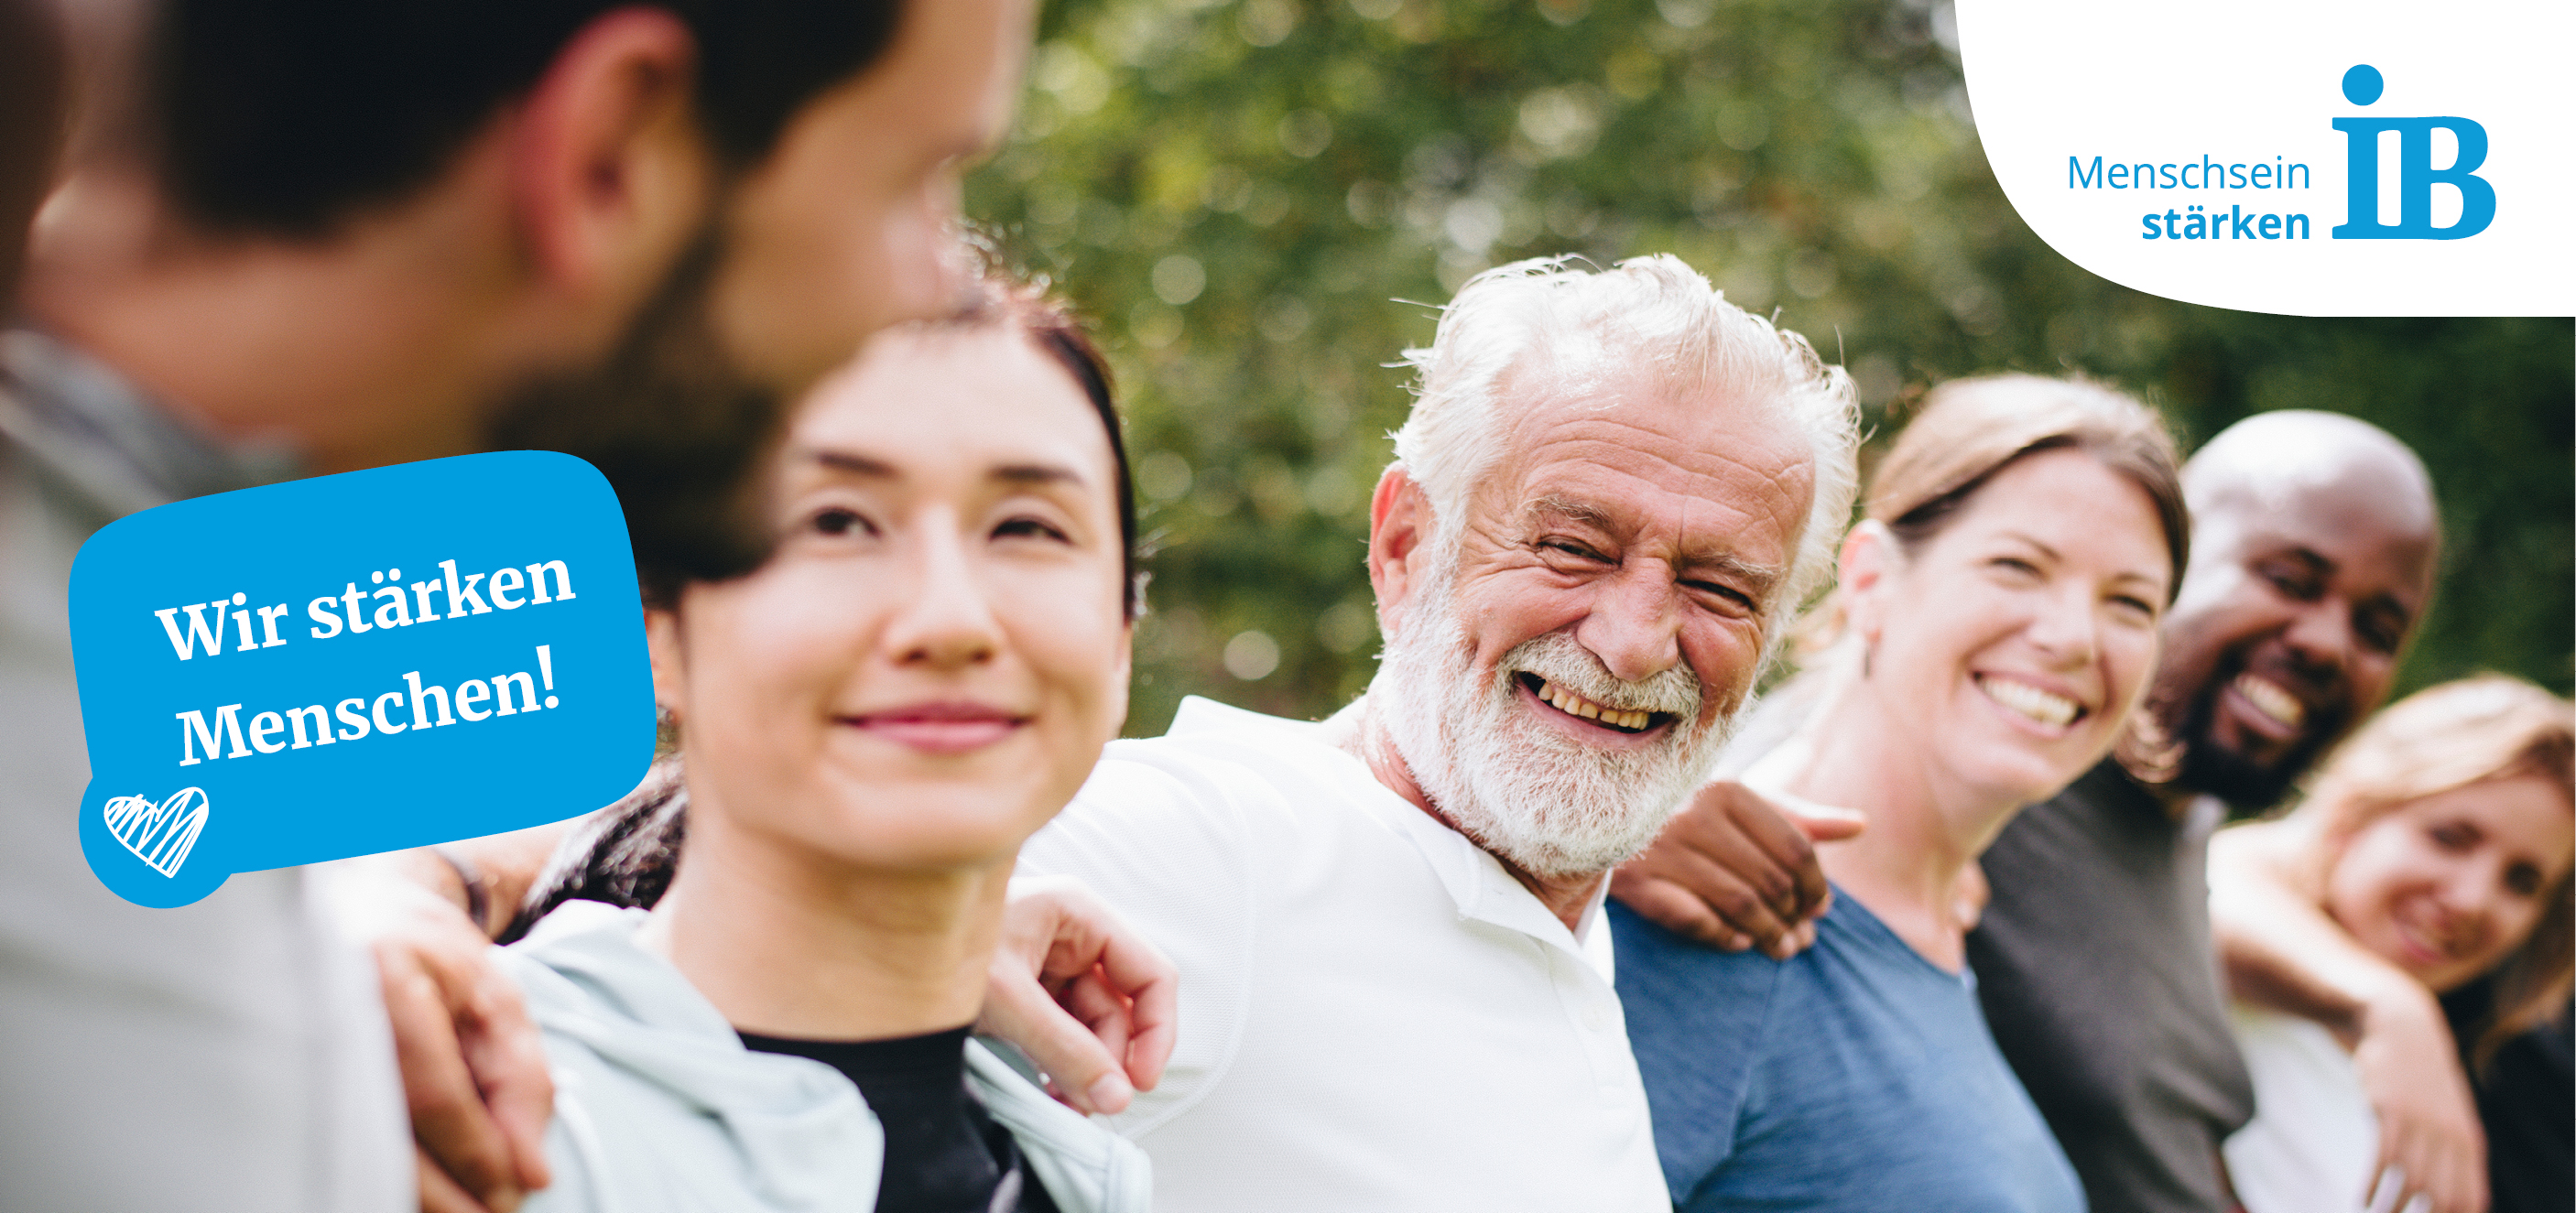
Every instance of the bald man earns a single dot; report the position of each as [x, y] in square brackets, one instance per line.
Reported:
[2313, 553]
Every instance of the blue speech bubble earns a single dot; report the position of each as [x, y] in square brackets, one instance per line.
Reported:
[352, 664]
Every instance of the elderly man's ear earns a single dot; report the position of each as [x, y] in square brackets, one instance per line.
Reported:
[1399, 522]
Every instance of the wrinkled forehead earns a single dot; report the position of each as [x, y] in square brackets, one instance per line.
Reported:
[1645, 448]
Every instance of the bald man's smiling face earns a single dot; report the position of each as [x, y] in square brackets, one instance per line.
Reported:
[2288, 628]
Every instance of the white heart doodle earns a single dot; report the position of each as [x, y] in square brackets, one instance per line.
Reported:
[159, 834]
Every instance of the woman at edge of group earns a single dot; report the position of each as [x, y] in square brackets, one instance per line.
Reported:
[870, 724]
[1994, 624]
[2436, 844]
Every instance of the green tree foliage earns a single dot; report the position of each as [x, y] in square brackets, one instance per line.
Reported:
[1240, 193]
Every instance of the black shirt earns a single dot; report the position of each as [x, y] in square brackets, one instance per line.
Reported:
[2095, 966]
[2527, 1100]
[943, 1154]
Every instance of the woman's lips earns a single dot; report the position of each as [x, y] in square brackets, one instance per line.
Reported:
[2423, 945]
[939, 728]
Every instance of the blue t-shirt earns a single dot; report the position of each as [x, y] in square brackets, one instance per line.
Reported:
[1856, 1076]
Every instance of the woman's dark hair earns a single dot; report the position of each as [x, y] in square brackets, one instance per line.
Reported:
[1060, 336]
[998, 303]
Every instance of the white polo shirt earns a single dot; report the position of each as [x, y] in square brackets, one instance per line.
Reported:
[1373, 1013]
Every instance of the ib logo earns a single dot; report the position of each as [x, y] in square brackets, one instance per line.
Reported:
[2416, 175]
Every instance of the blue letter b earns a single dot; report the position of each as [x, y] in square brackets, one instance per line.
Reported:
[2416, 177]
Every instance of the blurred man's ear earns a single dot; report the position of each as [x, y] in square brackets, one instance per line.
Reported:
[610, 174]
[32, 110]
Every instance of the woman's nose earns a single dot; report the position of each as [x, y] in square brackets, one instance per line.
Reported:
[948, 621]
[2063, 627]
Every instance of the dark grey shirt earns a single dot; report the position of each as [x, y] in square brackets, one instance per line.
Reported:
[2097, 973]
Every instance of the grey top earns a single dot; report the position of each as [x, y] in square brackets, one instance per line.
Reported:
[2095, 966]
[228, 1055]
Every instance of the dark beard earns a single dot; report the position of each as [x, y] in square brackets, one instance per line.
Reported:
[2244, 784]
[672, 424]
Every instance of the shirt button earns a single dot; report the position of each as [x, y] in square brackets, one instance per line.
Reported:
[1596, 1015]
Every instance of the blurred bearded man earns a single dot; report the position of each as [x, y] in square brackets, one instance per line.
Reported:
[1612, 494]
[295, 237]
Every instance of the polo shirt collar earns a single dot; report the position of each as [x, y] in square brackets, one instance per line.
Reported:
[1482, 889]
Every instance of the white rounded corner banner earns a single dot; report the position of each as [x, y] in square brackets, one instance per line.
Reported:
[2311, 159]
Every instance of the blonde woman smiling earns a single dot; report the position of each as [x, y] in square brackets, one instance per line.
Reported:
[1998, 611]
[2434, 849]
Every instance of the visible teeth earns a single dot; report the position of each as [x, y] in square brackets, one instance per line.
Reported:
[1575, 705]
[2271, 700]
[2046, 707]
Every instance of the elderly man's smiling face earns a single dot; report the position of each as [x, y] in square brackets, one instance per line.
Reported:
[1562, 684]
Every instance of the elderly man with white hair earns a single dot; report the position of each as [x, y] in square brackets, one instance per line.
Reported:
[1609, 500]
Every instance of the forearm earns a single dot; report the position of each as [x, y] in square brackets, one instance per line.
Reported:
[2280, 949]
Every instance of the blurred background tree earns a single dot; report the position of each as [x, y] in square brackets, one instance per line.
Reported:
[1238, 193]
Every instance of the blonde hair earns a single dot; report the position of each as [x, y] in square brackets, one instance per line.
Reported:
[1968, 430]
[2486, 727]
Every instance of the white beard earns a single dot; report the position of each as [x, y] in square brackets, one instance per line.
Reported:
[1518, 786]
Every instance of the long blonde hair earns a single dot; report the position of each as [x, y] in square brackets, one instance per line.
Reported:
[2486, 727]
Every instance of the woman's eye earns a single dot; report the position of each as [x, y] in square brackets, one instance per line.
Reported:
[2452, 838]
[2014, 565]
[840, 522]
[2138, 605]
[2523, 879]
[1030, 528]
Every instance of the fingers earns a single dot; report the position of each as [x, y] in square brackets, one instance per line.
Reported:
[508, 1060]
[473, 1069]
[1822, 824]
[2453, 1186]
[1047, 981]
[1714, 910]
[1782, 861]
[440, 1194]
[1089, 999]
[454, 1131]
[1675, 909]
[1082, 938]
[1149, 986]
[2448, 1172]
[1085, 1073]
[1713, 871]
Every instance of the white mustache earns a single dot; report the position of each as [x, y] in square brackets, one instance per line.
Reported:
[1559, 659]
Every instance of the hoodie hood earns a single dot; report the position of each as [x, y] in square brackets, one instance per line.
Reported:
[658, 1104]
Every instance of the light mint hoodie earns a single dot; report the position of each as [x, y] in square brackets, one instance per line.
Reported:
[660, 1109]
